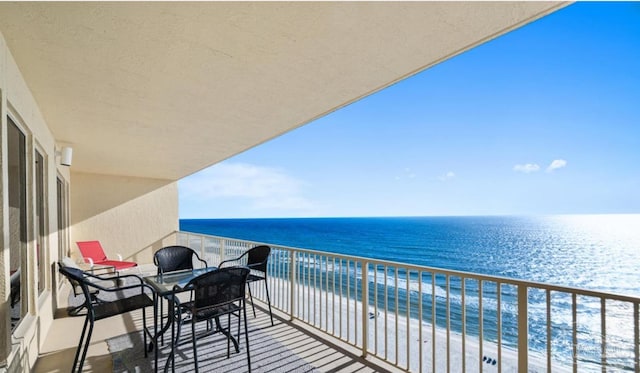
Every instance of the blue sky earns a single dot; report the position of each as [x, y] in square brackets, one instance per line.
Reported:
[543, 120]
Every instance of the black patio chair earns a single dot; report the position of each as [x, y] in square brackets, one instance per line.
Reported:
[256, 259]
[216, 293]
[175, 258]
[77, 289]
[105, 309]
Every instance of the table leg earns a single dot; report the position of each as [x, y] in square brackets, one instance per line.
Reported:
[154, 341]
[174, 338]
[159, 334]
[228, 334]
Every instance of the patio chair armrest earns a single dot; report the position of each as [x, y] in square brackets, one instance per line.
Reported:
[96, 285]
[206, 265]
[179, 289]
[90, 261]
[140, 286]
[119, 257]
[222, 263]
[232, 260]
[137, 278]
[103, 277]
[251, 266]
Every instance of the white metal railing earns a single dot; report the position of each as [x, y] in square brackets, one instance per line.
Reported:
[426, 319]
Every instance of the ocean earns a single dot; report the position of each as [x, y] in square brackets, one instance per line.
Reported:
[595, 252]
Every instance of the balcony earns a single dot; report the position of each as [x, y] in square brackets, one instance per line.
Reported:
[298, 348]
[342, 313]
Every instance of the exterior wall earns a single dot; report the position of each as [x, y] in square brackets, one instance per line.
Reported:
[128, 215]
[19, 350]
[4, 213]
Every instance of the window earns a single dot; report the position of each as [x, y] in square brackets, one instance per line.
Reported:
[17, 180]
[40, 224]
[63, 222]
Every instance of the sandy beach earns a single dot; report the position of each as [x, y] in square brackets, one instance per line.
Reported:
[415, 348]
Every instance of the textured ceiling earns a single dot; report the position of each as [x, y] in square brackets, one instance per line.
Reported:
[164, 89]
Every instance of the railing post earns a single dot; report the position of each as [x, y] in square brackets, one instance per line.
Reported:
[292, 283]
[636, 337]
[523, 329]
[176, 237]
[187, 238]
[365, 306]
[222, 249]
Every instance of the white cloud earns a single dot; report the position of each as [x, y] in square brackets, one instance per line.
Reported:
[406, 174]
[264, 187]
[526, 168]
[447, 176]
[556, 164]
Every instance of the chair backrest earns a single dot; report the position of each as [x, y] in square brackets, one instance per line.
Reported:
[173, 258]
[258, 257]
[222, 286]
[69, 263]
[93, 250]
[76, 278]
[106, 308]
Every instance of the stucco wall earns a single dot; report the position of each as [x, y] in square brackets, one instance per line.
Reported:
[127, 215]
[4, 210]
[17, 101]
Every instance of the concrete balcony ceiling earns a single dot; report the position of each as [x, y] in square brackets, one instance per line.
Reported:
[165, 89]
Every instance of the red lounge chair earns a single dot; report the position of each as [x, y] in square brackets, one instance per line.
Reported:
[94, 255]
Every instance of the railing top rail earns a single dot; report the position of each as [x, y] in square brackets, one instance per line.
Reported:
[443, 271]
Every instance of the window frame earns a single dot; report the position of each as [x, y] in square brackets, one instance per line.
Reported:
[41, 219]
[26, 216]
[62, 216]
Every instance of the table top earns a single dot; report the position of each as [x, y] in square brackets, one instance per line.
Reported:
[164, 284]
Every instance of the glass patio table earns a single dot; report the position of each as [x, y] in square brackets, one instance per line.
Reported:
[168, 286]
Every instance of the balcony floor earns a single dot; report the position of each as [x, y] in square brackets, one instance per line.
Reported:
[308, 349]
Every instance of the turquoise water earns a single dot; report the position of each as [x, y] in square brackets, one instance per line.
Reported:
[597, 252]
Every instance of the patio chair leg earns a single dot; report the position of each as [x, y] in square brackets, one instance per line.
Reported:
[246, 334]
[175, 336]
[229, 336]
[251, 297]
[161, 318]
[86, 346]
[238, 339]
[154, 343]
[144, 332]
[193, 337]
[268, 300]
[82, 336]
